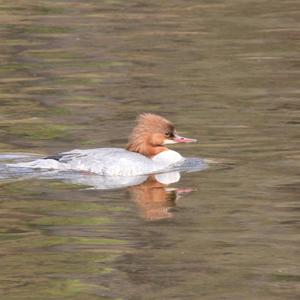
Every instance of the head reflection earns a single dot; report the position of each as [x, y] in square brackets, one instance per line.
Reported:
[154, 198]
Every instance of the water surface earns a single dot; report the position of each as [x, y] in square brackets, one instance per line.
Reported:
[75, 74]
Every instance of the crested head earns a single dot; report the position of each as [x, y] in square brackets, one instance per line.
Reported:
[148, 122]
[151, 134]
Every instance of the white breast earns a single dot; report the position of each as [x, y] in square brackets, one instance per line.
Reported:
[167, 158]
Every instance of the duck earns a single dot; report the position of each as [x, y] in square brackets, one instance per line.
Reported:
[146, 153]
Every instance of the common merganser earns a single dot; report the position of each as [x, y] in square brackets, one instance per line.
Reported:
[146, 152]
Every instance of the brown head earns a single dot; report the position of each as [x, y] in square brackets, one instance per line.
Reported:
[152, 133]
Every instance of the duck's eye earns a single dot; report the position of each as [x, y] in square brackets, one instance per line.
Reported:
[168, 134]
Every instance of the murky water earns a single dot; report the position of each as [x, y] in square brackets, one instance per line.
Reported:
[75, 74]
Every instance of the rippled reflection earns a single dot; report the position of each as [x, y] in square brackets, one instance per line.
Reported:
[152, 193]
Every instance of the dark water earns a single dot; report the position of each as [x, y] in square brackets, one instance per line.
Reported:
[75, 74]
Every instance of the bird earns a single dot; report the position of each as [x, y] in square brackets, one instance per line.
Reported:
[147, 152]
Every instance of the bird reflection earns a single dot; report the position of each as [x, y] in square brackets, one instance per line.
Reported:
[152, 194]
[155, 199]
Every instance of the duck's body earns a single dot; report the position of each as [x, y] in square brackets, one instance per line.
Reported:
[107, 161]
[146, 152]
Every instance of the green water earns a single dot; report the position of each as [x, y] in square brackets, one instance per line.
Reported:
[75, 74]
